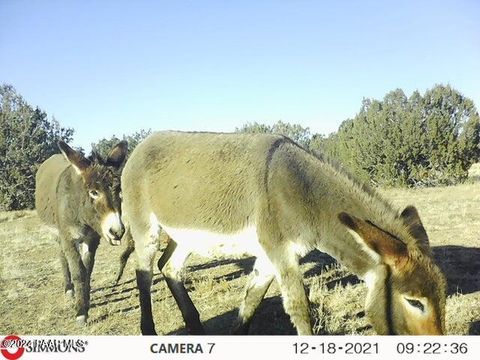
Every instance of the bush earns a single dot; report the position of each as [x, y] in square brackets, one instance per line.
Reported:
[424, 140]
[104, 146]
[27, 138]
[294, 131]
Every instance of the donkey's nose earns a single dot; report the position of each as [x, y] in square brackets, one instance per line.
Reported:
[117, 232]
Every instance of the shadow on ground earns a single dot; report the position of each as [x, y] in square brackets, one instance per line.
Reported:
[474, 328]
[323, 262]
[245, 264]
[461, 266]
[269, 319]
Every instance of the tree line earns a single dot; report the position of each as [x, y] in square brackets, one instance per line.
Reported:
[421, 140]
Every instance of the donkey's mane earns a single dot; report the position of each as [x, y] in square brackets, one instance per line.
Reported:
[344, 173]
[381, 212]
[100, 170]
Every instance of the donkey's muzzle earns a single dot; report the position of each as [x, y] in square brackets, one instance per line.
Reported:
[112, 228]
[117, 232]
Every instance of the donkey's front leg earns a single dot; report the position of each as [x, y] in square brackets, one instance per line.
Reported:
[66, 275]
[89, 248]
[78, 274]
[295, 300]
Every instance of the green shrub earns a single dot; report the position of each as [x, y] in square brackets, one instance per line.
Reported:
[27, 138]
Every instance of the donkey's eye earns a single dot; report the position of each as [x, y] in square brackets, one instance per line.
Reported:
[94, 194]
[417, 304]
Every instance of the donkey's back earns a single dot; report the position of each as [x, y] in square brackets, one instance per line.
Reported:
[210, 177]
[47, 179]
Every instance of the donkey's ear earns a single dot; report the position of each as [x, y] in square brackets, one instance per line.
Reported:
[382, 246]
[118, 154]
[78, 161]
[412, 220]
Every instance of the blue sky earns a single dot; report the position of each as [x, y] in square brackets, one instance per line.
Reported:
[114, 67]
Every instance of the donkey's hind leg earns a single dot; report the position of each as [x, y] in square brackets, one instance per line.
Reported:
[172, 272]
[257, 286]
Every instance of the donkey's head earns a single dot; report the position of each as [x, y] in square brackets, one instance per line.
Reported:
[406, 290]
[101, 178]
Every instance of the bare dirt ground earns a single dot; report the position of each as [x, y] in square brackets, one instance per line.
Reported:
[32, 300]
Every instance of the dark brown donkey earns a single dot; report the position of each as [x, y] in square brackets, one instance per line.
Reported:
[79, 199]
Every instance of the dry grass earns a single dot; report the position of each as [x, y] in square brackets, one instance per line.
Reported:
[32, 301]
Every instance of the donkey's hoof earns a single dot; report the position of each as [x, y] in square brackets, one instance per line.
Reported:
[69, 295]
[82, 320]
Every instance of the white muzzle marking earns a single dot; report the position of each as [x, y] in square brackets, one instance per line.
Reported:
[111, 221]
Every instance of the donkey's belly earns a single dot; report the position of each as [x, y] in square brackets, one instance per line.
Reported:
[212, 243]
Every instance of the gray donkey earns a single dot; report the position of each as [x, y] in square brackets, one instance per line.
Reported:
[80, 199]
[278, 201]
